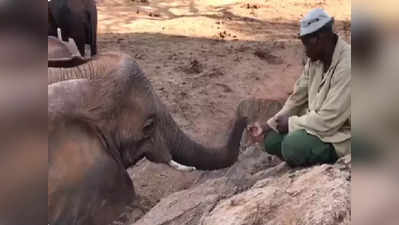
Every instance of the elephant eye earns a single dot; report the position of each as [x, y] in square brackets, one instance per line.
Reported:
[149, 123]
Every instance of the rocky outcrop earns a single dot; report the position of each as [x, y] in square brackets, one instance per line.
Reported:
[259, 189]
[314, 196]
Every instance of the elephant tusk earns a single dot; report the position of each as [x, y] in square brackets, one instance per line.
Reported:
[59, 35]
[181, 167]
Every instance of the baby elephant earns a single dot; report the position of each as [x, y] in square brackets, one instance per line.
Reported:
[103, 117]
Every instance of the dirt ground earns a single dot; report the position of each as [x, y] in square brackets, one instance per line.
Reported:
[205, 56]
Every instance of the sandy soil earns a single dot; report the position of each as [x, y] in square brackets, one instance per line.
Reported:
[205, 56]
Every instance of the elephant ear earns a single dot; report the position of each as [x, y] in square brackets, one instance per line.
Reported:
[63, 54]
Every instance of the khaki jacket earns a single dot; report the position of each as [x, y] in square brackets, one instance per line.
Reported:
[321, 103]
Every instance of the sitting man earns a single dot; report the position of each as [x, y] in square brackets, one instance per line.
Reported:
[313, 127]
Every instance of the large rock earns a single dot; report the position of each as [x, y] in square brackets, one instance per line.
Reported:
[259, 189]
[188, 206]
[316, 196]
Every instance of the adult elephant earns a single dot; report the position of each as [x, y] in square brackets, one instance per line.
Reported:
[103, 117]
[77, 19]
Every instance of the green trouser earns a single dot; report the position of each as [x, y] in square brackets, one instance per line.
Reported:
[300, 148]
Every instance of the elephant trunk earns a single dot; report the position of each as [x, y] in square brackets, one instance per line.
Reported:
[188, 152]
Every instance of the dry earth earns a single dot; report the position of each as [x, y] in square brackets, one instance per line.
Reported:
[203, 58]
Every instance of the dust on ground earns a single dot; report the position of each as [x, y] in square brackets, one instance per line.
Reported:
[205, 56]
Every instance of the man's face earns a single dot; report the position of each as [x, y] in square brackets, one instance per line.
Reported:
[311, 44]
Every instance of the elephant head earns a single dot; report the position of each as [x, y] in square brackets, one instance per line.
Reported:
[121, 103]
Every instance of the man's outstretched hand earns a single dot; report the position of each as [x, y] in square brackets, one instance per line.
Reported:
[282, 124]
[257, 132]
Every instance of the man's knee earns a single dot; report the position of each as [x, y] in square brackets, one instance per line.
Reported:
[273, 142]
[294, 148]
[302, 149]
